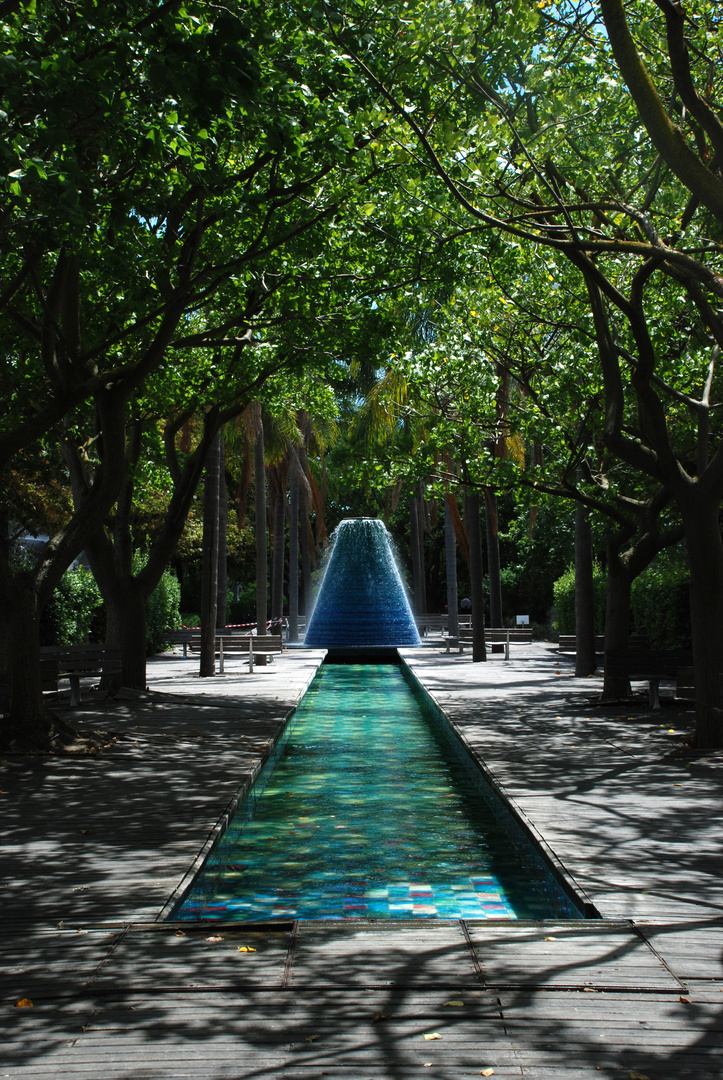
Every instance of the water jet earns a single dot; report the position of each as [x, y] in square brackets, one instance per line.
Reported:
[362, 602]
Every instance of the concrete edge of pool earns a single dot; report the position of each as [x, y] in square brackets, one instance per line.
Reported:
[503, 806]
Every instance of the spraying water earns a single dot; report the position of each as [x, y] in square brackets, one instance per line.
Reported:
[362, 600]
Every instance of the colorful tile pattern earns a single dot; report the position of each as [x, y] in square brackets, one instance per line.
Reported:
[366, 815]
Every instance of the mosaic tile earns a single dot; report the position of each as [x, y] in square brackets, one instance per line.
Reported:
[395, 829]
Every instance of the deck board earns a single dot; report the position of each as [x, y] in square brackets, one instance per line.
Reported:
[102, 846]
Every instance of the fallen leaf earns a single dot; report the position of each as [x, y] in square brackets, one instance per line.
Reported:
[311, 1038]
[685, 1000]
[638, 1076]
[378, 1017]
[487, 1072]
[180, 933]
[216, 937]
[432, 1035]
[457, 1003]
[245, 948]
[23, 1003]
[550, 939]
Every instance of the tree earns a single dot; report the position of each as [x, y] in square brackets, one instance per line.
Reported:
[495, 128]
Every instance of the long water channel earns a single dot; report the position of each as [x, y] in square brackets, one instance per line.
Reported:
[371, 811]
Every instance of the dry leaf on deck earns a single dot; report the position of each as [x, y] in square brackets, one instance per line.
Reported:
[458, 1003]
[311, 1038]
[23, 1003]
[487, 1072]
[245, 948]
[433, 1035]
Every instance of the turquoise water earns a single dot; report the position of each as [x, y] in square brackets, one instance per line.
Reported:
[370, 813]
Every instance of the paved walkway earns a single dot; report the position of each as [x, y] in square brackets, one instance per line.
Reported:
[94, 850]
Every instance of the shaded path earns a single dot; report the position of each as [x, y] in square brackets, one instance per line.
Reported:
[92, 851]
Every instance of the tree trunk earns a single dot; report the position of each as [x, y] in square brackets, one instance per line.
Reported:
[125, 609]
[421, 517]
[415, 549]
[493, 557]
[450, 558]
[585, 663]
[294, 556]
[262, 568]
[474, 534]
[209, 566]
[307, 597]
[29, 725]
[705, 559]
[222, 590]
[278, 553]
[617, 619]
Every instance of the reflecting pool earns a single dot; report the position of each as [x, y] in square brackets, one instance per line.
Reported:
[371, 810]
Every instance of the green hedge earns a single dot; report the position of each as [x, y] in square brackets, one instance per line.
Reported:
[162, 612]
[74, 613]
[659, 603]
[564, 593]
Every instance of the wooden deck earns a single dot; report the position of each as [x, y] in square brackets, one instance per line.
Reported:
[93, 850]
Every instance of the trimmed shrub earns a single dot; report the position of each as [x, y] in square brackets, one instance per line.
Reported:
[660, 604]
[162, 612]
[564, 593]
[75, 612]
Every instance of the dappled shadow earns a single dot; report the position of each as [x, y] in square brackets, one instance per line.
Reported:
[634, 816]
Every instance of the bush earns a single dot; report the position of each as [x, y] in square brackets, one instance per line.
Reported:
[660, 604]
[75, 611]
[564, 593]
[162, 612]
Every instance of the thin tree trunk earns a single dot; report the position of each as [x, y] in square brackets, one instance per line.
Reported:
[493, 564]
[278, 553]
[262, 568]
[493, 557]
[422, 517]
[474, 534]
[294, 555]
[307, 598]
[222, 591]
[585, 663]
[450, 558]
[414, 551]
[209, 567]
[617, 619]
[705, 559]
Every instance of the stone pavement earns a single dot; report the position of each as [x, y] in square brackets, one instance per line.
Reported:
[95, 849]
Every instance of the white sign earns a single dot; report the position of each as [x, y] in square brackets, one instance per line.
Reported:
[523, 620]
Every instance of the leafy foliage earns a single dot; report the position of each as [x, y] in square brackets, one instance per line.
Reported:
[564, 593]
[162, 612]
[74, 613]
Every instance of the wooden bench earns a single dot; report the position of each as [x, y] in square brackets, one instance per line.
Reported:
[260, 648]
[650, 665]
[75, 662]
[568, 642]
[431, 624]
[181, 636]
[494, 635]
